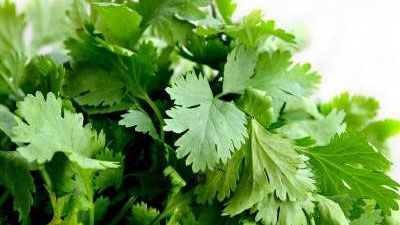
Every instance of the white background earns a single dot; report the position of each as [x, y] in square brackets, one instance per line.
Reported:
[354, 44]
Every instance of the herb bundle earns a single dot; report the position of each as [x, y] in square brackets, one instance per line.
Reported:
[156, 112]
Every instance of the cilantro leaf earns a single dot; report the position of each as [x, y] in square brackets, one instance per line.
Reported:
[226, 8]
[257, 104]
[369, 218]
[238, 69]
[118, 23]
[140, 120]
[94, 87]
[322, 129]
[350, 165]
[142, 214]
[48, 130]
[282, 79]
[272, 211]
[214, 128]
[379, 132]
[359, 109]
[111, 177]
[49, 20]
[271, 165]
[221, 181]
[7, 120]
[330, 212]
[253, 31]
[162, 16]
[100, 208]
[15, 176]
[11, 28]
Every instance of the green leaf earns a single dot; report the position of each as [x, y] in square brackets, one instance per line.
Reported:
[45, 130]
[359, 109]
[100, 208]
[271, 165]
[162, 16]
[7, 120]
[45, 75]
[49, 20]
[118, 23]
[350, 165]
[226, 8]
[140, 120]
[282, 79]
[322, 129]
[11, 28]
[111, 177]
[379, 132]
[369, 218]
[15, 176]
[213, 128]
[142, 214]
[221, 181]
[141, 70]
[94, 87]
[257, 104]
[272, 211]
[330, 212]
[238, 69]
[253, 31]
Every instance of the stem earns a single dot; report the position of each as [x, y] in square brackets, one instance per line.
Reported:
[18, 94]
[157, 112]
[4, 198]
[123, 211]
[220, 95]
[46, 179]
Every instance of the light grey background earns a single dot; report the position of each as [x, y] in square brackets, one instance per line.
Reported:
[354, 44]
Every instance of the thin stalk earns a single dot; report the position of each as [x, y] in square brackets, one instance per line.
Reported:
[17, 93]
[123, 211]
[46, 179]
[220, 95]
[157, 112]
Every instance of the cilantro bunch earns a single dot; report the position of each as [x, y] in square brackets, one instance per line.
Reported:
[168, 112]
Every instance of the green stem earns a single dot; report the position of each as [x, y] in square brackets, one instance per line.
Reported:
[47, 179]
[220, 95]
[123, 211]
[157, 112]
[4, 198]
[18, 94]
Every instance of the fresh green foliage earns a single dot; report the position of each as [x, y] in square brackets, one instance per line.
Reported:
[99, 125]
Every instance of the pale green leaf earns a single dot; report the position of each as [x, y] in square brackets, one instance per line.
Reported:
[46, 129]
[330, 212]
[226, 8]
[359, 109]
[373, 217]
[221, 181]
[140, 120]
[257, 104]
[239, 68]
[272, 211]
[322, 129]
[213, 128]
[282, 79]
[271, 165]
[7, 120]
